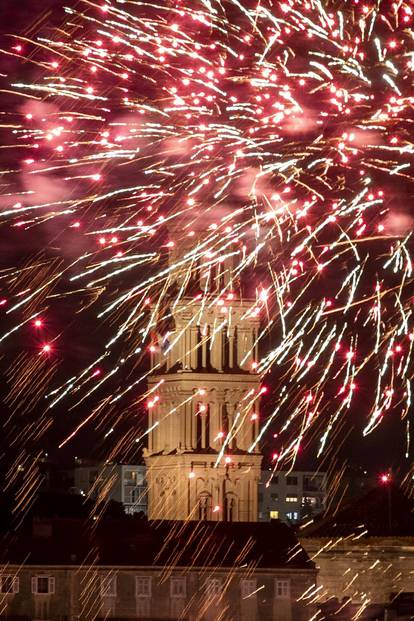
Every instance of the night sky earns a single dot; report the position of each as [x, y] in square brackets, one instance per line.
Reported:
[383, 448]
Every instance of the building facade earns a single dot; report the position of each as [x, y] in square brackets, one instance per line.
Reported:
[364, 552]
[69, 593]
[366, 570]
[291, 496]
[204, 391]
[124, 483]
[66, 569]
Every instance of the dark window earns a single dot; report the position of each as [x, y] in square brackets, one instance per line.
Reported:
[228, 513]
[7, 584]
[260, 497]
[291, 480]
[312, 484]
[204, 507]
[178, 587]
[274, 496]
[43, 584]
[282, 589]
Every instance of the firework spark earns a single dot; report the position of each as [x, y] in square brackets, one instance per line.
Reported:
[269, 143]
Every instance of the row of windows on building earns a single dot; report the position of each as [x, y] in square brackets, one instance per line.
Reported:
[290, 480]
[310, 482]
[293, 516]
[304, 500]
[45, 585]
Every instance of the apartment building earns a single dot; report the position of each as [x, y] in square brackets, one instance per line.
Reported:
[124, 483]
[291, 496]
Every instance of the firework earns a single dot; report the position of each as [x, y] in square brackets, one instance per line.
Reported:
[267, 141]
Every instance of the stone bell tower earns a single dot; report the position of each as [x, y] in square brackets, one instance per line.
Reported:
[203, 392]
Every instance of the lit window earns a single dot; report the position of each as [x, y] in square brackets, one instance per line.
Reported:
[291, 499]
[9, 584]
[282, 589]
[107, 586]
[213, 586]
[274, 515]
[43, 585]
[310, 501]
[293, 515]
[143, 586]
[248, 587]
[178, 587]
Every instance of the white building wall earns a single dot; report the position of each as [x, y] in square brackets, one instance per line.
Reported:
[124, 483]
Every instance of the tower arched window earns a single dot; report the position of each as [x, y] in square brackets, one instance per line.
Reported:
[225, 420]
[230, 508]
[203, 425]
[204, 506]
[225, 349]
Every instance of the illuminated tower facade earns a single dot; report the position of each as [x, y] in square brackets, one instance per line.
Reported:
[203, 393]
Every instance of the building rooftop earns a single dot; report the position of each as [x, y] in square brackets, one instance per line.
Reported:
[384, 511]
[59, 538]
